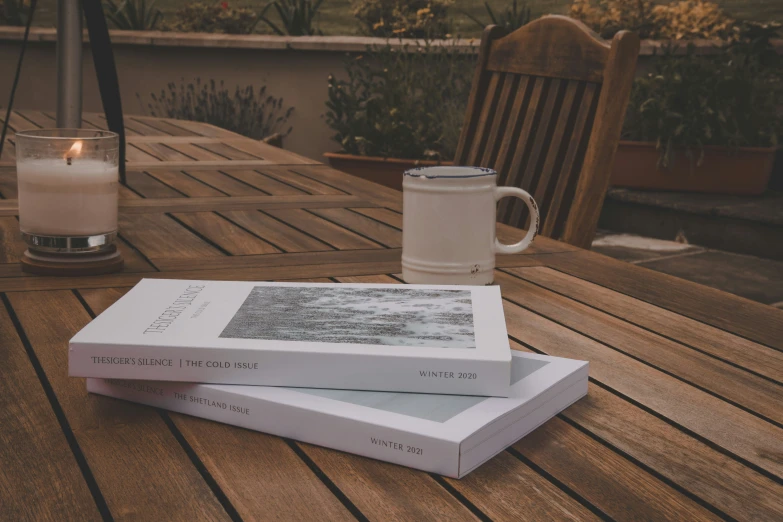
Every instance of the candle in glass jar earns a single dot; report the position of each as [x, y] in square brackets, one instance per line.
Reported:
[68, 196]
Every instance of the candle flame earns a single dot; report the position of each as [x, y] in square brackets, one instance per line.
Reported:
[75, 150]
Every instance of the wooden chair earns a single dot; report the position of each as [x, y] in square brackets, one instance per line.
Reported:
[546, 109]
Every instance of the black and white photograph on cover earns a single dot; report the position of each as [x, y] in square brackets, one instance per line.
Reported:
[374, 316]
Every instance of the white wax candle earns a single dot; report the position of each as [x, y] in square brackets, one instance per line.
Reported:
[57, 199]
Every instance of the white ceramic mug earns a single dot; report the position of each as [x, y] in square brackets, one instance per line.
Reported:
[448, 225]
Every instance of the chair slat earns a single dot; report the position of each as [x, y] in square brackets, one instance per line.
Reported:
[581, 132]
[500, 117]
[515, 118]
[514, 175]
[487, 112]
[541, 140]
[561, 135]
[477, 94]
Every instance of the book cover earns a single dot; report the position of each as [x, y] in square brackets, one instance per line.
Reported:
[446, 434]
[408, 338]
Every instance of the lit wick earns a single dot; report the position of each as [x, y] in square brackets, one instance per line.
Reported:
[75, 150]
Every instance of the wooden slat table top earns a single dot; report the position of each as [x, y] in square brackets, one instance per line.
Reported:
[683, 420]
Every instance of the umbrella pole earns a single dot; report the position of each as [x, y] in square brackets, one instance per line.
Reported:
[69, 63]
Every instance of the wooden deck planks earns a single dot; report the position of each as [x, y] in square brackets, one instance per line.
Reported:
[383, 491]
[225, 234]
[491, 488]
[276, 232]
[723, 345]
[325, 231]
[728, 382]
[225, 183]
[130, 438]
[607, 480]
[378, 232]
[33, 446]
[157, 235]
[747, 437]
[754, 321]
[692, 464]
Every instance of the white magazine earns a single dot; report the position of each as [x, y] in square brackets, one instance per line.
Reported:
[410, 338]
[446, 434]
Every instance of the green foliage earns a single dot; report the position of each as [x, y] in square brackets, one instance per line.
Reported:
[134, 15]
[607, 17]
[248, 112]
[511, 18]
[297, 17]
[403, 102]
[214, 18]
[14, 12]
[686, 19]
[730, 98]
[403, 18]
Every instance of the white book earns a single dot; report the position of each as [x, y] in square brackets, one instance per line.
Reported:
[446, 434]
[407, 338]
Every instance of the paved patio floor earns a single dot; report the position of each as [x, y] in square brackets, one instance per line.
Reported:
[752, 277]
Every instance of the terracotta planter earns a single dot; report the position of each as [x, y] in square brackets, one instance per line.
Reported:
[384, 171]
[744, 171]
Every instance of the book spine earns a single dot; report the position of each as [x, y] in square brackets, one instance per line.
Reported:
[289, 368]
[305, 425]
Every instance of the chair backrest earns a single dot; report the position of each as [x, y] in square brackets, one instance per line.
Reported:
[546, 109]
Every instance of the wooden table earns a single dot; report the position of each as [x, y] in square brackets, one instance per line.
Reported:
[682, 422]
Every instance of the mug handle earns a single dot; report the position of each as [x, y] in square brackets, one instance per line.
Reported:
[502, 192]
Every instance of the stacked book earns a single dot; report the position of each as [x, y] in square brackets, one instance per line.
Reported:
[421, 376]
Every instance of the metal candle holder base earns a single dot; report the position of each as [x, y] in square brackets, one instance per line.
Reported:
[104, 260]
[73, 245]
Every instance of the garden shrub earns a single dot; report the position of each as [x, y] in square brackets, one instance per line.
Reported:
[252, 113]
[14, 12]
[692, 19]
[403, 18]
[606, 17]
[686, 19]
[729, 99]
[511, 18]
[296, 17]
[406, 102]
[214, 18]
[133, 15]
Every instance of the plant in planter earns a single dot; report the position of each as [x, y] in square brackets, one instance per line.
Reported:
[134, 15]
[403, 18]
[252, 113]
[14, 12]
[297, 17]
[706, 115]
[686, 19]
[214, 18]
[399, 107]
[511, 18]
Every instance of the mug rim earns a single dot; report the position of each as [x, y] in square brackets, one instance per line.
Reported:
[466, 172]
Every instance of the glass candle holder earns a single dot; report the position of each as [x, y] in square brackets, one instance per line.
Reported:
[68, 181]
